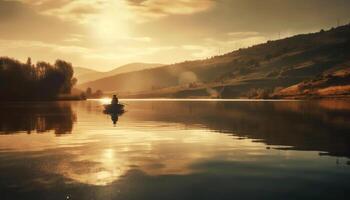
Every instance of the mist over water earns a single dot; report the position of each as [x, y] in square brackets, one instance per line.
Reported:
[176, 149]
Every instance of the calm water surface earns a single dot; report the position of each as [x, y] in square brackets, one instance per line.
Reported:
[175, 150]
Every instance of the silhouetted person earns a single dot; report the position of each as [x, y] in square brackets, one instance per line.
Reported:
[114, 100]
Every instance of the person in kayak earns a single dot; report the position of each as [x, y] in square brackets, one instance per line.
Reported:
[115, 100]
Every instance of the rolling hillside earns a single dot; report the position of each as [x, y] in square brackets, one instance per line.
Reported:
[79, 71]
[132, 67]
[85, 75]
[256, 72]
[329, 84]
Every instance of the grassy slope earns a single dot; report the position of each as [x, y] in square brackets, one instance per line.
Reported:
[329, 84]
[266, 67]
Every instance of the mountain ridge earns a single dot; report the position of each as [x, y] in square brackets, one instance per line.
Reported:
[85, 75]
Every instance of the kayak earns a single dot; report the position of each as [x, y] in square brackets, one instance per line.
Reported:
[114, 108]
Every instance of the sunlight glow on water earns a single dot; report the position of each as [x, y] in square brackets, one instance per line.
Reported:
[107, 100]
[103, 100]
[210, 100]
[235, 140]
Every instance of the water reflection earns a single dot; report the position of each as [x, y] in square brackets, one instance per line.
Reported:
[299, 125]
[37, 117]
[114, 115]
[182, 150]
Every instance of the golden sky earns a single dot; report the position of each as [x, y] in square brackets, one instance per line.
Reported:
[103, 34]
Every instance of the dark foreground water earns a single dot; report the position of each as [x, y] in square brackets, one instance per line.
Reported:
[175, 150]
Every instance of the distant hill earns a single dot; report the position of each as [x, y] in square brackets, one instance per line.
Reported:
[84, 75]
[255, 72]
[134, 67]
[79, 71]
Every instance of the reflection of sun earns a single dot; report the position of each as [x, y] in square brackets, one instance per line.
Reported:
[154, 153]
[102, 176]
[101, 169]
[108, 154]
[105, 100]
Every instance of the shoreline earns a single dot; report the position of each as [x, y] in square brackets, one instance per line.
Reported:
[131, 98]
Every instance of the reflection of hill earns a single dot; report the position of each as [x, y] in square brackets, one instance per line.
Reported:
[38, 117]
[298, 125]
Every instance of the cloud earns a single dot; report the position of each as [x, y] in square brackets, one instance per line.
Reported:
[16, 45]
[22, 21]
[243, 34]
[161, 8]
[46, 4]
[235, 41]
[127, 52]
[86, 56]
[200, 51]
[79, 10]
[84, 11]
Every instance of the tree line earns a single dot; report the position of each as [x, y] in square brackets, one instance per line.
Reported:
[90, 94]
[42, 81]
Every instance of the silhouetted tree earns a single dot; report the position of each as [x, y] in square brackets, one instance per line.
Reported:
[19, 81]
[98, 94]
[29, 61]
[88, 92]
[66, 74]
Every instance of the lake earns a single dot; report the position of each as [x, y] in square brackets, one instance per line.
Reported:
[166, 149]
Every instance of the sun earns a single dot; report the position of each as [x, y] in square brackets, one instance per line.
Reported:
[112, 24]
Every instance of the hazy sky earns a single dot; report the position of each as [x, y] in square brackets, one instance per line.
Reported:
[103, 34]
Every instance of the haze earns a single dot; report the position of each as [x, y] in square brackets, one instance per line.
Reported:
[103, 34]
